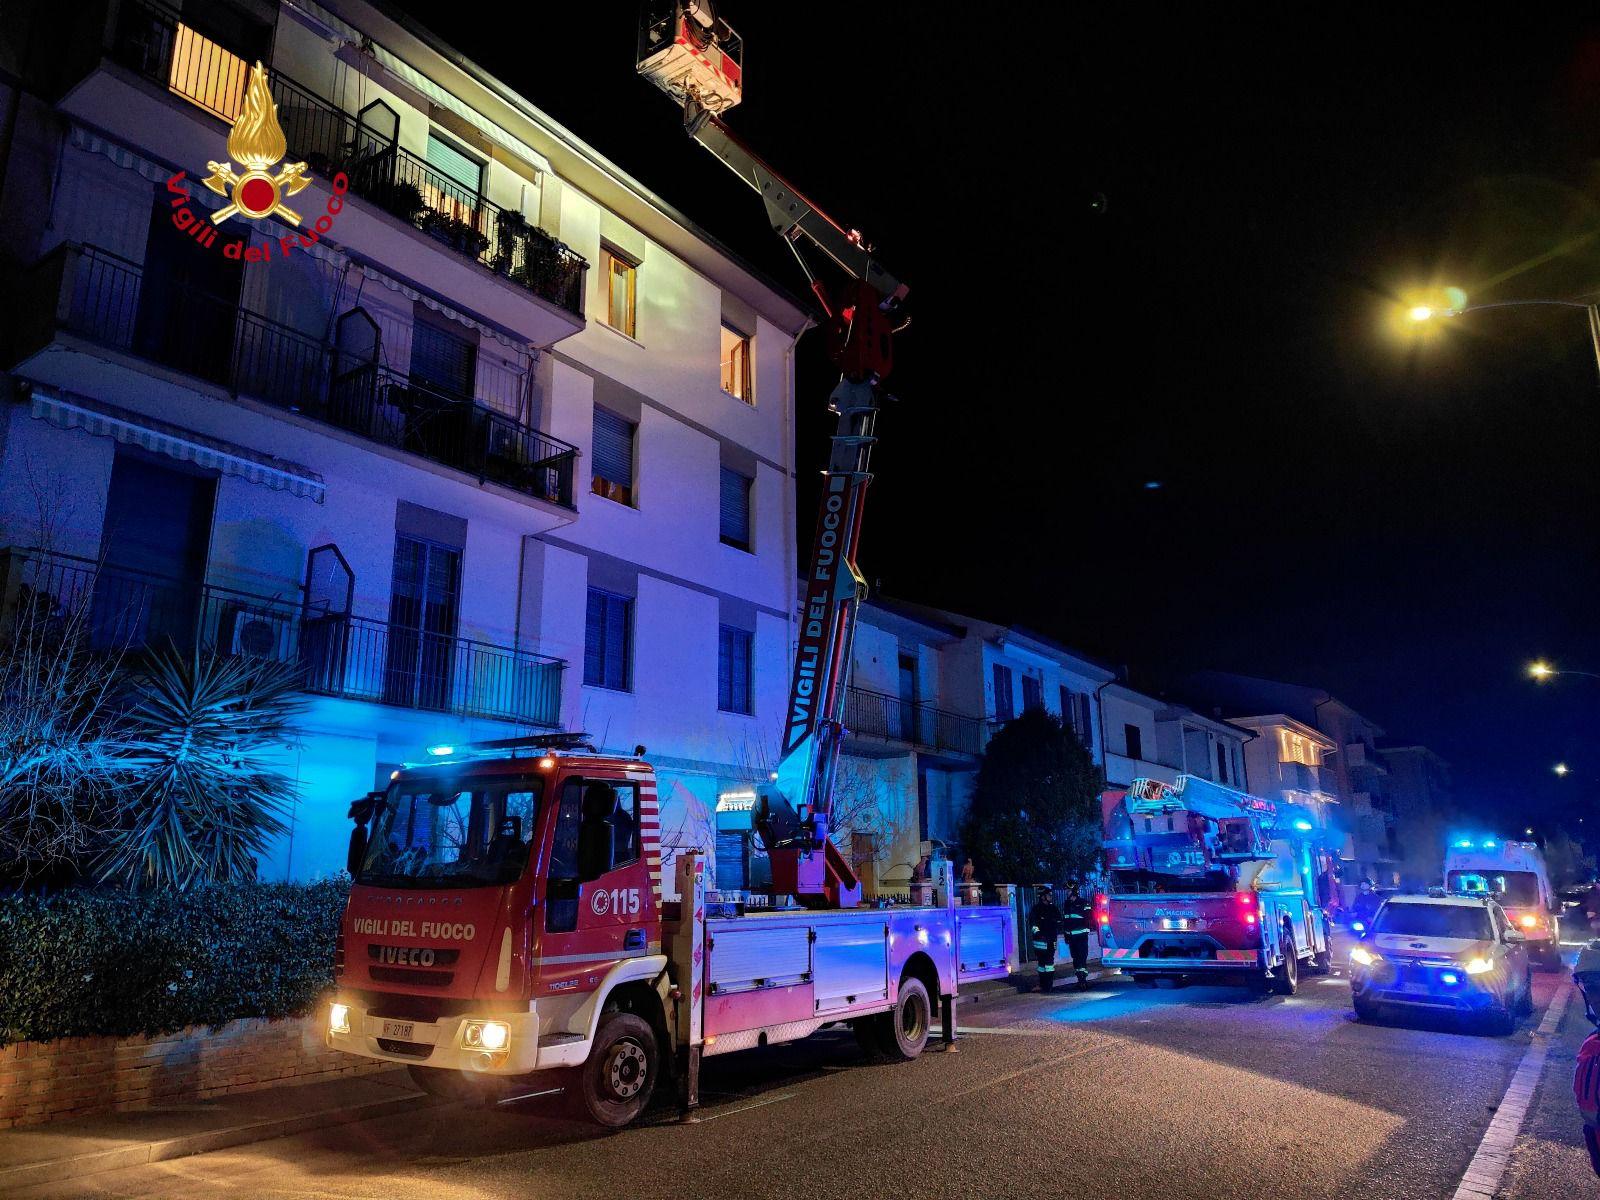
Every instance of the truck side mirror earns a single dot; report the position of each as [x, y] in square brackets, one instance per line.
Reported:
[358, 850]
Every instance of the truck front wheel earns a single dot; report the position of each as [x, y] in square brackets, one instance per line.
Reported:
[1286, 978]
[903, 1030]
[615, 1084]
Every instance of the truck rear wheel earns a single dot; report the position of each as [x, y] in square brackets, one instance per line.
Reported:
[614, 1086]
[903, 1030]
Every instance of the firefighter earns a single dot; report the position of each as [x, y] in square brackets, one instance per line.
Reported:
[1075, 925]
[1044, 921]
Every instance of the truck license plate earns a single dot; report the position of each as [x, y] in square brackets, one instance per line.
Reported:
[1175, 922]
[399, 1030]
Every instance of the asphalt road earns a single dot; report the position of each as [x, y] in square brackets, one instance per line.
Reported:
[1117, 1091]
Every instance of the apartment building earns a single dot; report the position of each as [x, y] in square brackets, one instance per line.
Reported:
[1147, 737]
[492, 440]
[1422, 795]
[1285, 761]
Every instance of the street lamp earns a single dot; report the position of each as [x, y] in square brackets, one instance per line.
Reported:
[1542, 671]
[1561, 768]
[1457, 306]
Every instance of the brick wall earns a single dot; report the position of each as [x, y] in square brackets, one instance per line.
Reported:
[45, 1081]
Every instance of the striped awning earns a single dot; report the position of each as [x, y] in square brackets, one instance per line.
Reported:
[68, 411]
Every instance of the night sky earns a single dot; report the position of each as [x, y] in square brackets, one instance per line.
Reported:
[1403, 523]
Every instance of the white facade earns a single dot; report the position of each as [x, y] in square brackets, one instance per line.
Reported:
[496, 482]
[1151, 738]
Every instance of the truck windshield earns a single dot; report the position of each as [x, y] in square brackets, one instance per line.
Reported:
[1511, 888]
[459, 834]
[1123, 882]
[1404, 919]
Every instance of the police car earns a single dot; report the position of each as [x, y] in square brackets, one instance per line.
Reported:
[1444, 953]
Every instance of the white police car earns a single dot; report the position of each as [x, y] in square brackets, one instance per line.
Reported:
[1445, 953]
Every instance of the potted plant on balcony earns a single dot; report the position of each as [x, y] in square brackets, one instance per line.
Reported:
[511, 229]
[548, 267]
[400, 199]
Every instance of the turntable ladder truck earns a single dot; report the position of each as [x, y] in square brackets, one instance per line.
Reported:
[507, 933]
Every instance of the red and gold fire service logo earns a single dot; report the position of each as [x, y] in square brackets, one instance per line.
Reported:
[257, 143]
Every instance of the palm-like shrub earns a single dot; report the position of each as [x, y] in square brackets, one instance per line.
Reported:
[202, 795]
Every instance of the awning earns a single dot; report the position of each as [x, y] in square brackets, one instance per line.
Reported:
[68, 411]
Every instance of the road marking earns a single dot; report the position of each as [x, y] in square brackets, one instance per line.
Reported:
[1028, 1070]
[1488, 1165]
[728, 1112]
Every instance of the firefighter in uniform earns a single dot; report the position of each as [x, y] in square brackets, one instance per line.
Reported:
[1044, 922]
[1075, 927]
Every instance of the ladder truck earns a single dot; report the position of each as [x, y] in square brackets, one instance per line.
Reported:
[507, 933]
[1206, 881]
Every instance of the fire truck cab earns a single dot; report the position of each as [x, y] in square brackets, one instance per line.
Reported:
[1208, 881]
[506, 934]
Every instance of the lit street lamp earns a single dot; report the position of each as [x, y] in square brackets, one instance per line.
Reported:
[1542, 671]
[1561, 768]
[1457, 307]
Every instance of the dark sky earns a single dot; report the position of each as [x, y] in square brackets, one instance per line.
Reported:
[1405, 524]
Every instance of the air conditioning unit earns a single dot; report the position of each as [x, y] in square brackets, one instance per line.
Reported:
[255, 632]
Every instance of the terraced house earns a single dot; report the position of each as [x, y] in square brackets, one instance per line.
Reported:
[492, 441]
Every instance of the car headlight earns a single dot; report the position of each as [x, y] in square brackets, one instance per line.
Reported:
[338, 1018]
[1529, 921]
[487, 1035]
[1479, 966]
[1363, 956]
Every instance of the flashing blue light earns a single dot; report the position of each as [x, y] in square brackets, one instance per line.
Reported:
[1464, 844]
[1358, 926]
[1449, 978]
[1490, 844]
[1303, 826]
[441, 751]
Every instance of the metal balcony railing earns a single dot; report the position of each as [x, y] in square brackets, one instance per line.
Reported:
[122, 610]
[104, 297]
[152, 40]
[878, 715]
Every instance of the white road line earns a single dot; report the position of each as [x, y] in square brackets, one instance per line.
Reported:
[728, 1112]
[1488, 1165]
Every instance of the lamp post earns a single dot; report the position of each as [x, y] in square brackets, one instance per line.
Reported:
[1420, 313]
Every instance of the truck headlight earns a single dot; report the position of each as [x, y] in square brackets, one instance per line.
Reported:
[338, 1018]
[1362, 956]
[487, 1035]
[1479, 966]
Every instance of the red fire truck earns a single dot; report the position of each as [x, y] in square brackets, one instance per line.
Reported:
[1209, 881]
[507, 932]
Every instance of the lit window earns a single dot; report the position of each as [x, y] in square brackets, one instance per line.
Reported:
[207, 75]
[736, 364]
[621, 290]
[1292, 747]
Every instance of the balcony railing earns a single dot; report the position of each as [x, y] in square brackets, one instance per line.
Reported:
[104, 297]
[878, 715]
[123, 610]
[152, 40]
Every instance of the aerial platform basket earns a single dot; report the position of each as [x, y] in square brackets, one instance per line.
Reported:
[686, 50]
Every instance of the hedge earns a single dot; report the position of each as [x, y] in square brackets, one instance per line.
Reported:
[90, 962]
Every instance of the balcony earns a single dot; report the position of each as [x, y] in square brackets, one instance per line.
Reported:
[125, 611]
[869, 714]
[97, 295]
[152, 41]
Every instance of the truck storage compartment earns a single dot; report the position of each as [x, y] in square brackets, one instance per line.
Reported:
[755, 952]
[851, 963]
[981, 944]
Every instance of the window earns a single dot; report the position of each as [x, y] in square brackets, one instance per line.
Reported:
[443, 360]
[622, 274]
[452, 838]
[1292, 747]
[1032, 693]
[463, 173]
[1003, 703]
[577, 855]
[1075, 713]
[608, 641]
[1133, 741]
[1222, 763]
[613, 457]
[735, 509]
[733, 670]
[424, 603]
[736, 364]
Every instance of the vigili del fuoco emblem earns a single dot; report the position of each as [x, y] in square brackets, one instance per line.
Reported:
[256, 142]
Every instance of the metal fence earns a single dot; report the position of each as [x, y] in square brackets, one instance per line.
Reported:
[878, 715]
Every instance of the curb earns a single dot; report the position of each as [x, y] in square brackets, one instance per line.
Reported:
[93, 1162]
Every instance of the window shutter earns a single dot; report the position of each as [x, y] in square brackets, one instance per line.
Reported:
[735, 508]
[594, 630]
[733, 670]
[613, 448]
[454, 165]
[1085, 724]
[607, 634]
[443, 360]
[616, 642]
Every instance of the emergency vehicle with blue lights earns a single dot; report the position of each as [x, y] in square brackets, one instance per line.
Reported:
[508, 932]
[1207, 881]
[1514, 875]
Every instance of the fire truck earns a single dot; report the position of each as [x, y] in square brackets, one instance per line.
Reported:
[507, 932]
[1206, 881]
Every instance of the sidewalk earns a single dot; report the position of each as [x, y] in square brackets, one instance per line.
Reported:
[70, 1149]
